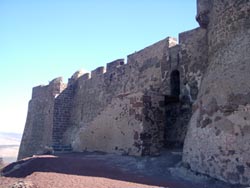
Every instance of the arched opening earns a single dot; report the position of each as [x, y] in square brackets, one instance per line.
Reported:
[175, 83]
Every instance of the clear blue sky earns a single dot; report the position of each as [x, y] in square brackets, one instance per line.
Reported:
[44, 39]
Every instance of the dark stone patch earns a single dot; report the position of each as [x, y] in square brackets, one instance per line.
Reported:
[131, 111]
[231, 152]
[248, 164]
[217, 132]
[136, 135]
[240, 169]
[194, 89]
[146, 99]
[239, 99]
[161, 103]
[145, 136]
[217, 118]
[138, 104]
[229, 109]
[138, 117]
[205, 122]
[212, 107]
[137, 145]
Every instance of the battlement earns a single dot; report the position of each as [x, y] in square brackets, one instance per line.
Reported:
[146, 57]
[54, 87]
[166, 94]
[97, 72]
[156, 50]
[114, 64]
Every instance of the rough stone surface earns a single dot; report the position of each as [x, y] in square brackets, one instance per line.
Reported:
[217, 142]
[37, 135]
[195, 93]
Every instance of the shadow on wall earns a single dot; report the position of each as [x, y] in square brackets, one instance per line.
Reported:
[175, 83]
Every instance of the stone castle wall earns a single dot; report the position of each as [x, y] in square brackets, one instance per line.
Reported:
[194, 93]
[37, 135]
[133, 94]
[218, 139]
[103, 104]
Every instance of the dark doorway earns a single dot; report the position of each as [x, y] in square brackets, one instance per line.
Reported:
[175, 83]
[174, 126]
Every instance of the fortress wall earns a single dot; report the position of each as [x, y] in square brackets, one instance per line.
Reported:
[61, 117]
[113, 65]
[97, 72]
[170, 64]
[93, 96]
[153, 119]
[38, 128]
[193, 60]
[115, 130]
[218, 139]
[189, 58]
[131, 124]
[140, 74]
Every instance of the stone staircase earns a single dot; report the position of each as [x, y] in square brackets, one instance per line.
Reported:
[58, 148]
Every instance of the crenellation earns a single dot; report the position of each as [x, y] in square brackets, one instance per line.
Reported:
[36, 91]
[155, 51]
[114, 64]
[97, 72]
[187, 95]
[85, 76]
[75, 77]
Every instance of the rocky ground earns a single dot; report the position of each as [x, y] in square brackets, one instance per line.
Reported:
[99, 170]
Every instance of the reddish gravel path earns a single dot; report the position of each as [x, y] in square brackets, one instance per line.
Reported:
[93, 170]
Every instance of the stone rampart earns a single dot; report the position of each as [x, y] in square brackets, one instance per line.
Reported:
[217, 142]
[37, 136]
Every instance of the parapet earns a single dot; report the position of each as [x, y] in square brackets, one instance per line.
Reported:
[75, 76]
[114, 64]
[98, 71]
[157, 51]
[86, 76]
[36, 91]
[191, 35]
[54, 87]
[56, 80]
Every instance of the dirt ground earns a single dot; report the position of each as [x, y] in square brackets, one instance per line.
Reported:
[99, 170]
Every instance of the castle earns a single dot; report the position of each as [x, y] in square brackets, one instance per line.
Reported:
[194, 95]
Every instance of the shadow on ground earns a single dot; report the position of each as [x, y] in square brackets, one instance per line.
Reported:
[164, 170]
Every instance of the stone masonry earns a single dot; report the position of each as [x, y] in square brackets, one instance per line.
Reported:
[194, 95]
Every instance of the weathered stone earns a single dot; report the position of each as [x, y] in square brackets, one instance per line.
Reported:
[241, 169]
[205, 122]
[197, 91]
[223, 93]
